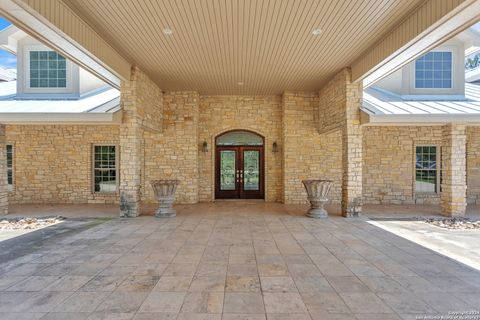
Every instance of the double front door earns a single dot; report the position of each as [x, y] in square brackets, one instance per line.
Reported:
[239, 172]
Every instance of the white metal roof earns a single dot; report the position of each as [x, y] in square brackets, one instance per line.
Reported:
[383, 106]
[7, 75]
[101, 105]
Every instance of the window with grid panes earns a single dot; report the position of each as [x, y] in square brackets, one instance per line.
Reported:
[10, 165]
[48, 69]
[105, 168]
[427, 173]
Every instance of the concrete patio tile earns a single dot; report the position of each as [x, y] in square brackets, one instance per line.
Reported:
[65, 315]
[203, 302]
[180, 269]
[249, 269]
[114, 270]
[59, 269]
[272, 269]
[324, 302]
[21, 316]
[331, 316]
[8, 281]
[250, 280]
[347, 284]
[232, 316]
[81, 302]
[382, 284]
[414, 316]
[210, 269]
[122, 302]
[242, 284]
[284, 303]
[10, 300]
[241, 259]
[303, 270]
[34, 283]
[381, 316]
[406, 303]
[111, 316]
[278, 284]
[243, 302]
[138, 283]
[103, 283]
[312, 284]
[168, 283]
[155, 316]
[212, 284]
[150, 269]
[27, 269]
[289, 316]
[89, 269]
[417, 284]
[297, 259]
[443, 302]
[364, 302]
[68, 283]
[166, 302]
[41, 301]
[454, 284]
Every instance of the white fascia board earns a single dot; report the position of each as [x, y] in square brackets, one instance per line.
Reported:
[419, 119]
[104, 118]
[44, 32]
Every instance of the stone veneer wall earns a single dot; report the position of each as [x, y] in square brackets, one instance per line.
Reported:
[142, 102]
[261, 114]
[307, 153]
[473, 165]
[388, 163]
[173, 153]
[3, 172]
[53, 163]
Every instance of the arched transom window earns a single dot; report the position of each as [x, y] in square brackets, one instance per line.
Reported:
[239, 138]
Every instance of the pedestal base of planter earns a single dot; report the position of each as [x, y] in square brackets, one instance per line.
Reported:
[319, 213]
[165, 213]
[317, 191]
[165, 194]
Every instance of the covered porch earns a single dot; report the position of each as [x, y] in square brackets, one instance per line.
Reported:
[228, 261]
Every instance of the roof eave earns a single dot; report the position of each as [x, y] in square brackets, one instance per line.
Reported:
[91, 118]
[418, 119]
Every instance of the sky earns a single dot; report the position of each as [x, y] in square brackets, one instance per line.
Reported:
[7, 60]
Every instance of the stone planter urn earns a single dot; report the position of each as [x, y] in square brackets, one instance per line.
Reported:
[317, 191]
[165, 194]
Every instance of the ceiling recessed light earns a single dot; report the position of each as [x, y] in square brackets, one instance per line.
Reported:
[240, 83]
[317, 32]
[167, 31]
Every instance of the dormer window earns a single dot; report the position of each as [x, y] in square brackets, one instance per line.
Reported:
[46, 74]
[434, 70]
[48, 69]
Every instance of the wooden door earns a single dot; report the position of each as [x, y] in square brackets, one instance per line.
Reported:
[239, 172]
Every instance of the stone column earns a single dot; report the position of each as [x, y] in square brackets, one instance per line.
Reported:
[3, 173]
[352, 150]
[142, 104]
[454, 170]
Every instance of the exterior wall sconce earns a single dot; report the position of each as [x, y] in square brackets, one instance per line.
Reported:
[204, 146]
[275, 147]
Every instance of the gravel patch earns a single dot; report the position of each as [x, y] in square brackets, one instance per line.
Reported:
[28, 223]
[454, 223]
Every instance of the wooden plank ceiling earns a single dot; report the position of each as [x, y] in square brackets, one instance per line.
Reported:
[242, 46]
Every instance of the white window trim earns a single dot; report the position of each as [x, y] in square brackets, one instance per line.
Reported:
[452, 72]
[117, 173]
[438, 169]
[71, 74]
